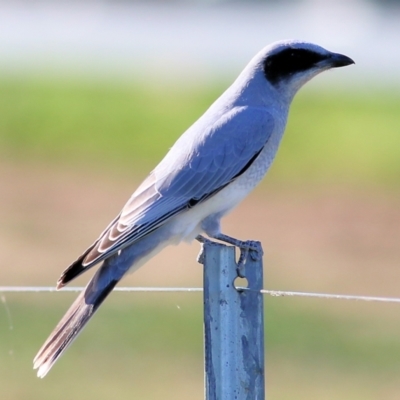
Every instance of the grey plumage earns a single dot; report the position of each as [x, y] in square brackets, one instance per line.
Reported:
[207, 172]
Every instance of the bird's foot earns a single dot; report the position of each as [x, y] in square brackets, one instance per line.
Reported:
[249, 247]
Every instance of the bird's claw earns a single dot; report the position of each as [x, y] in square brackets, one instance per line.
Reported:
[201, 255]
[249, 247]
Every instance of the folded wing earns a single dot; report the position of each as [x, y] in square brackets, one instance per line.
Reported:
[200, 164]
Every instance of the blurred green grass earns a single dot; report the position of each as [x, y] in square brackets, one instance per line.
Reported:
[107, 125]
[150, 346]
[333, 135]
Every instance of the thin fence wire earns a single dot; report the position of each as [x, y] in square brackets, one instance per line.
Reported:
[273, 293]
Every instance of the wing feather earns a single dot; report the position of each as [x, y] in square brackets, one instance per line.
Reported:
[202, 162]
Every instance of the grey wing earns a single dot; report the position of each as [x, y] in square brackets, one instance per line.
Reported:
[201, 163]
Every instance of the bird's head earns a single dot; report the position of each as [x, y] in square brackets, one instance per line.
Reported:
[288, 65]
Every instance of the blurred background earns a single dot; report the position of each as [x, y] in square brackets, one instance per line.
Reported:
[93, 93]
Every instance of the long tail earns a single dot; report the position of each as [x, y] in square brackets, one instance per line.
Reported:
[73, 321]
[100, 286]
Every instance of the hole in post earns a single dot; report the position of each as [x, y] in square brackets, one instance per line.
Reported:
[240, 283]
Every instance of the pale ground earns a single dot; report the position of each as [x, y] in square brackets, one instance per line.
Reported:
[323, 240]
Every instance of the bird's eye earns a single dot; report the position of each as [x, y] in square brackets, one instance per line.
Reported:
[295, 55]
[289, 62]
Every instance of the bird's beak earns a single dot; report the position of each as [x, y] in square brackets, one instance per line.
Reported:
[337, 60]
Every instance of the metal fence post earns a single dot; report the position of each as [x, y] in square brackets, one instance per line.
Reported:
[233, 326]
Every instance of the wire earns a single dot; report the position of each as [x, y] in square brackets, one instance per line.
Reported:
[36, 289]
[278, 293]
[273, 293]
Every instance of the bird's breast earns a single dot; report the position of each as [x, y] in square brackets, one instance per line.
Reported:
[187, 225]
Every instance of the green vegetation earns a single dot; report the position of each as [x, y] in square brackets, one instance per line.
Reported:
[140, 348]
[332, 136]
[100, 124]
[343, 137]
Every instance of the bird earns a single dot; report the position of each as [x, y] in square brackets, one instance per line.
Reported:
[209, 170]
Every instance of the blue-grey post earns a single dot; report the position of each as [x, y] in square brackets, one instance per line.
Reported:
[234, 326]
